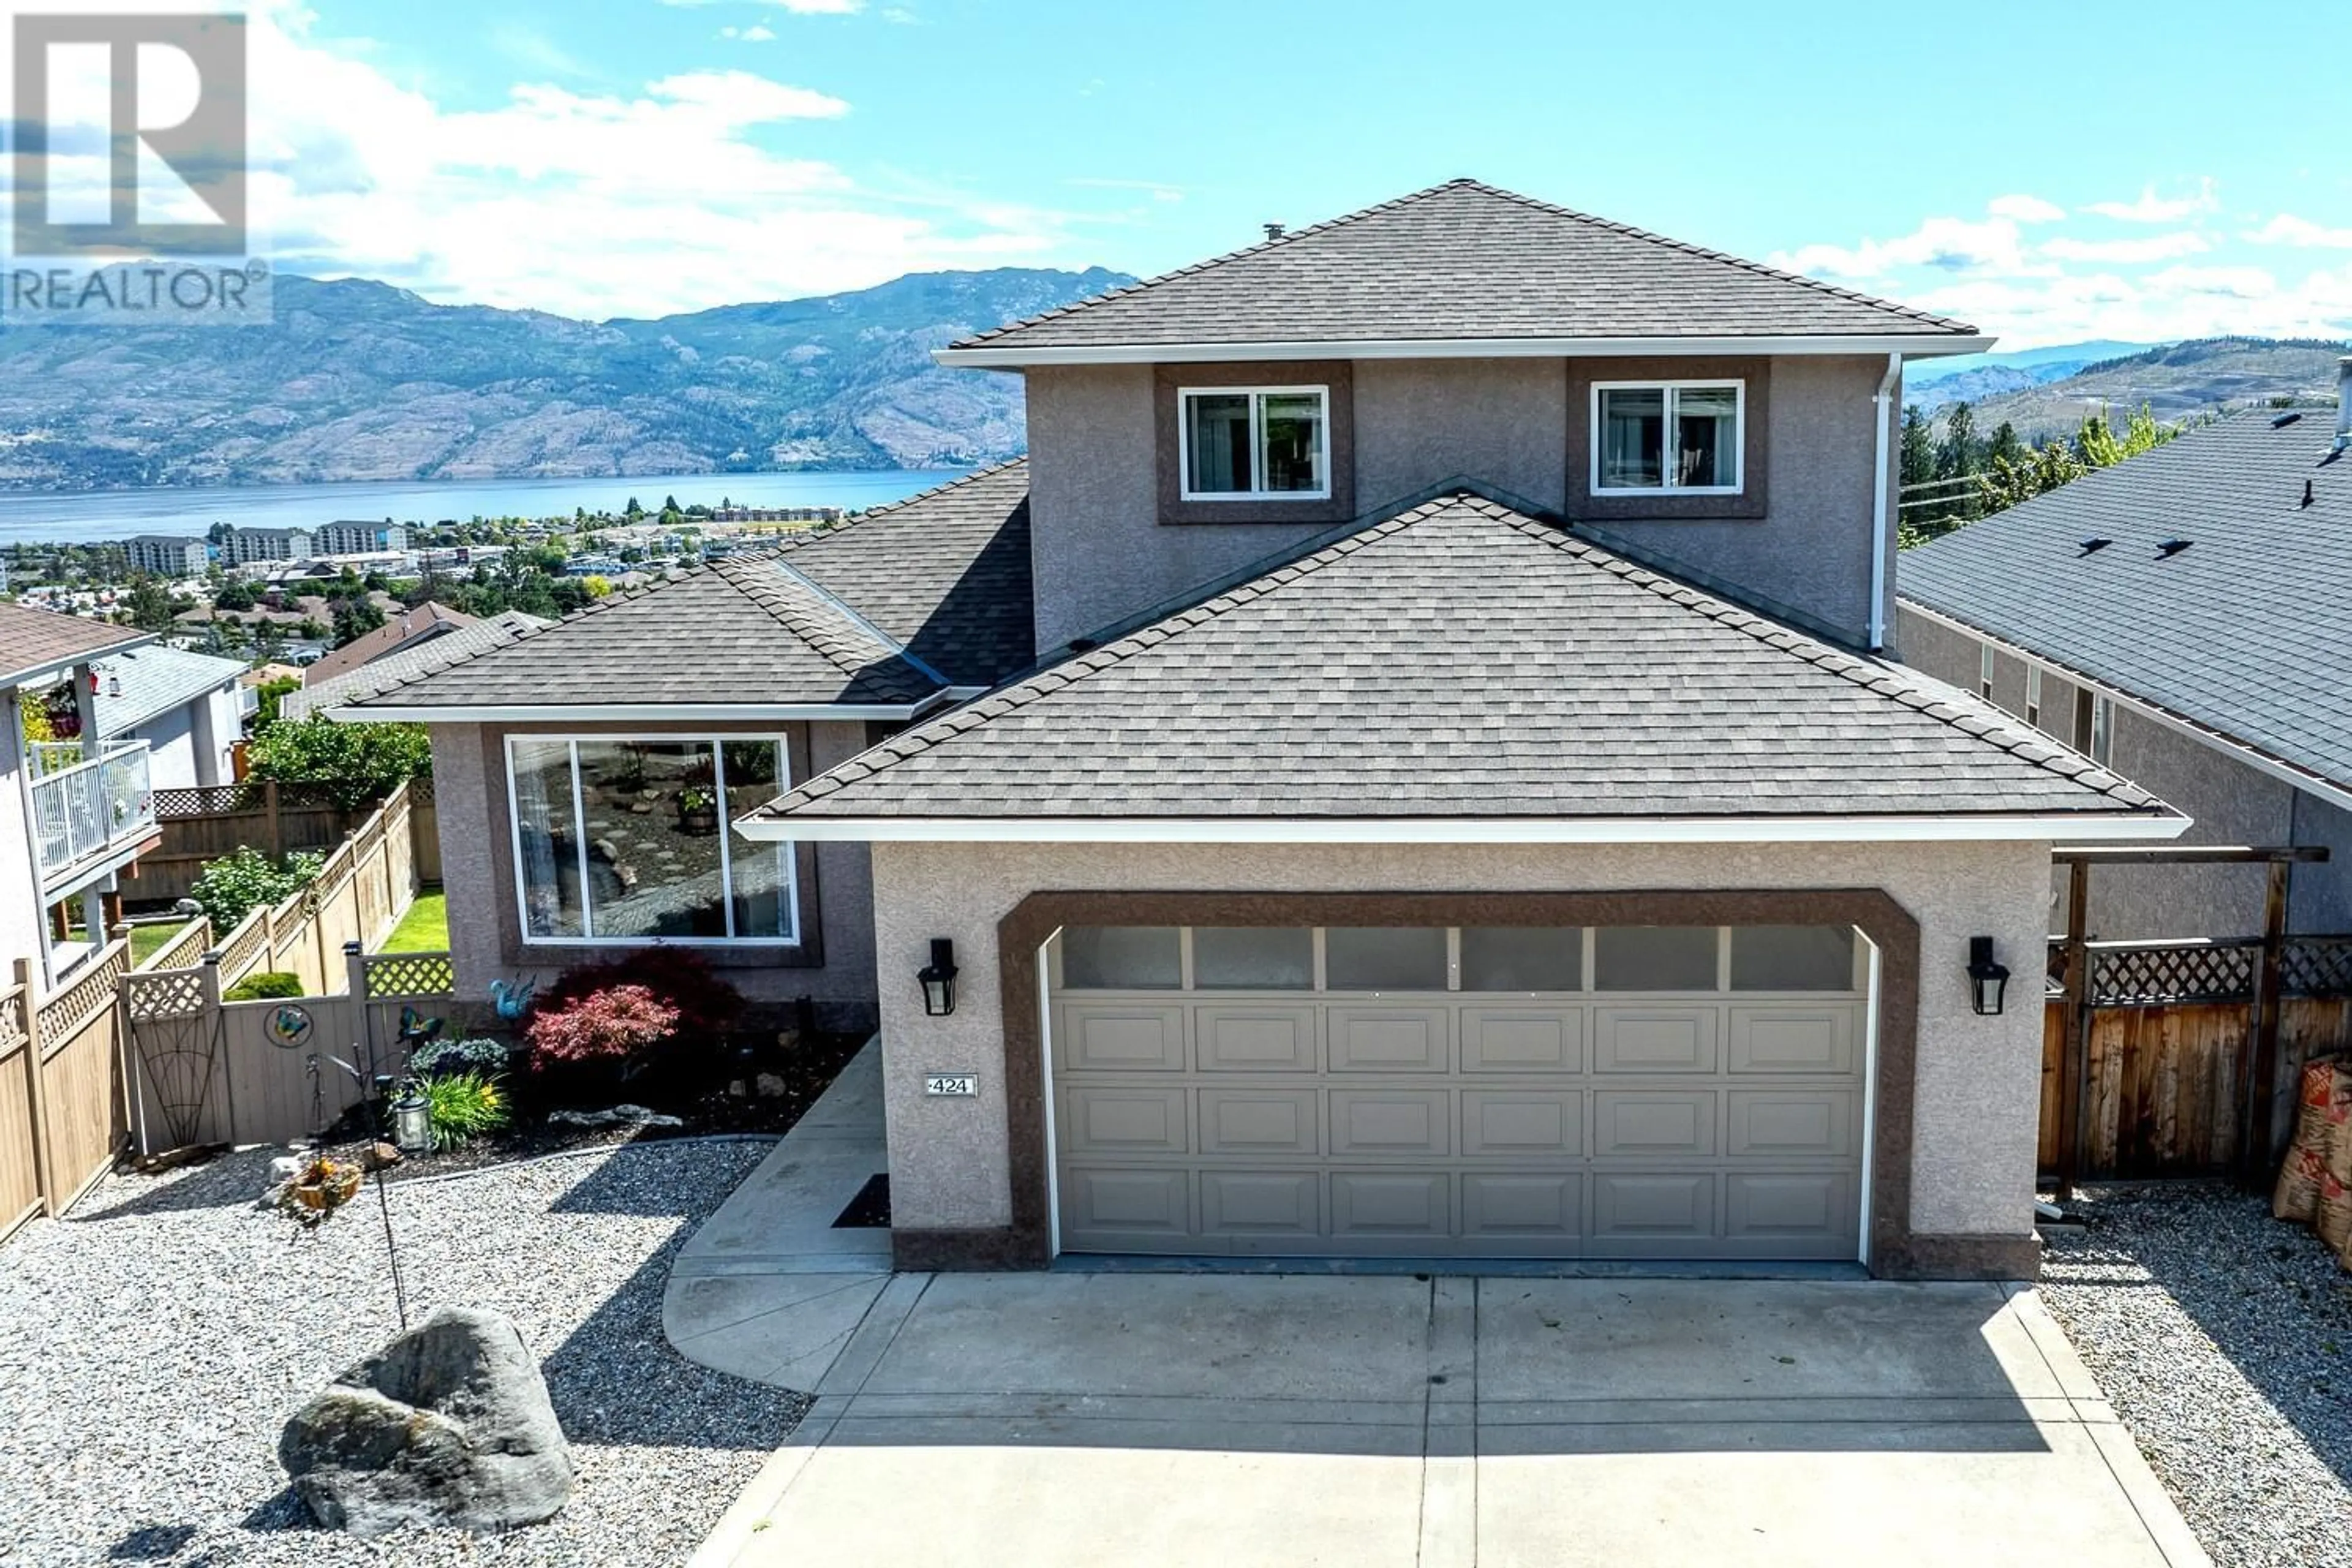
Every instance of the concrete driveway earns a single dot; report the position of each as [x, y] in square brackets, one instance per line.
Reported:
[1229, 1421]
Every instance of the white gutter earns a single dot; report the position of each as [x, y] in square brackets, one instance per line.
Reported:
[672, 712]
[1011, 356]
[2073, 827]
[2237, 750]
[1878, 403]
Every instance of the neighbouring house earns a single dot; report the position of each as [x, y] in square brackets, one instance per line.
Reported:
[74, 815]
[190, 710]
[1405, 768]
[410, 628]
[167, 555]
[452, 637]
[585, 771]
[2186, 619]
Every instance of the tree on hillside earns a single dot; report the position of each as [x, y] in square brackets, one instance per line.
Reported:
[1918, 459]
[354, 618]
[2005, 446]
[149, 604]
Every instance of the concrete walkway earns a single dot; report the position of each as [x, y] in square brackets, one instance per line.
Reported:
[1035, 1420]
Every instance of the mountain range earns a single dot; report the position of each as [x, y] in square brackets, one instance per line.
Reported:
[2052, 395]
[358, 380]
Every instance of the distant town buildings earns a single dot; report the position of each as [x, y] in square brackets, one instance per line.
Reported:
[358, 538]
[776, 514]
[167, 555]
[244, 547]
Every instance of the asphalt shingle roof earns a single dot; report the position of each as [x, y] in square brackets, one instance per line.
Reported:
[1464, 661]
[946, 572]
[886, 609]
[33, 642]
[155, 681]
[1464, 260]
[419, 657]
[736, 631]
[2248, 632]
[427, 620]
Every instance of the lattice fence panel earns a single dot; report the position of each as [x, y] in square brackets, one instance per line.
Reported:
[11, 1027]
[411, 974]
[2200, 971]
[244, 947]
[2316, 966]
[163, 992]
[90, 994]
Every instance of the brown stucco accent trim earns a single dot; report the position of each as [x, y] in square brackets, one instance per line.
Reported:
[1025, 928]
[808, 953]
[995, 1247]
[1962, 1257]
[1752, 502]
[1339, 376]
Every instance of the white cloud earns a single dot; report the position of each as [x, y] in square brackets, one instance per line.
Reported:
[2025, 209]
[2301, 232]
[797, 7]
[2153, 247]
[1948, 244]
[756, 33]
[2152, 208]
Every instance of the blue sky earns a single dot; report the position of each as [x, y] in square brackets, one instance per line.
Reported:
[2050, 172]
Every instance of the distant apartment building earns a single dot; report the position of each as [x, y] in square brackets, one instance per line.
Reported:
[167, 555]
[358, 538]
[776, 514]
[244, 547]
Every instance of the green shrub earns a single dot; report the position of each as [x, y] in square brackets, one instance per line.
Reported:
[234, 886]
[357, 764]
[443, 1058]
[462, 1106]
[263, 985]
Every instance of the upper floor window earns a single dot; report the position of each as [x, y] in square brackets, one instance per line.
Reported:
[2033, 694]
[2102, 731]
[1984, 669]
[1250, 443]
[1676, 437]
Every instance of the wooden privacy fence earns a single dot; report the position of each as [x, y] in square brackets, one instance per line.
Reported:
[202, 824]
[209, 1071]
[357, 896]
[62, 1113]
[2170, 1065]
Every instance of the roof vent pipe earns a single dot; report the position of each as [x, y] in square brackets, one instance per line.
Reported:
[2343, 403]
[1272, 231]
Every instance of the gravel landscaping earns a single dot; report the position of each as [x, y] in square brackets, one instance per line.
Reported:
[2224, 1340]
[158, 1338]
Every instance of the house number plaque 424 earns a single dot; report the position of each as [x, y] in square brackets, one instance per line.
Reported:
[951, 1083]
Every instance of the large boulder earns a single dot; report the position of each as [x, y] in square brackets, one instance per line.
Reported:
[447, 1425]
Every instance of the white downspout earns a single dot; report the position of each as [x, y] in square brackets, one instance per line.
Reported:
[1879, 408]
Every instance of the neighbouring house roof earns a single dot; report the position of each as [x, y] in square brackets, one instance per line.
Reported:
[155, 681]
[1464, 264]
[946, 572]
[37, 644]
[892, 611]
[417, 658]
[427, 620]
[2246, 632]
[1465, 662]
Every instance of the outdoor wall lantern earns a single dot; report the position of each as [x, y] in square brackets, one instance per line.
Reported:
[412, 1121]
[938, 978]
[1988, 979]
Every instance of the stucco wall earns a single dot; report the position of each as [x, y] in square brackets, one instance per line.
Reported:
[478, 872]
[1978, 1078]
[2320, 897]
[170, 747]
[1100, 552]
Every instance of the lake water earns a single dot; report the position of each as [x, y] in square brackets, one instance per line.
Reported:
[90, 516]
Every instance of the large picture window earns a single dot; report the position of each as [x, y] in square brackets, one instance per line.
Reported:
[1679, 438]
[632, 841]
[1252, 443]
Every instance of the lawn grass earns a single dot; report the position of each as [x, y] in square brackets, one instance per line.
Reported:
[144, 939]
[425, 928]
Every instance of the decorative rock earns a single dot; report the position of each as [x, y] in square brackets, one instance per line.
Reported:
[618, 1116]
[282, 1171]
[448, 1425]
[379, 1156]
[771, 1087]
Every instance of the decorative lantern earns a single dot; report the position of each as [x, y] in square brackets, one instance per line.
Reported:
[938, 978]
[411, 1122]
[1986, 980]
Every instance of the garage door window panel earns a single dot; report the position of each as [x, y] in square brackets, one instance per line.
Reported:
[1122, 958]
[1253, 958]
[1655, 958]
[1384, 958]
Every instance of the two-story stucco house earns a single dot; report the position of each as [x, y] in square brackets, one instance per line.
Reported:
[1402, 770]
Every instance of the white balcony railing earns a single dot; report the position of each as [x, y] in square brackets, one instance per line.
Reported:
[84, 809]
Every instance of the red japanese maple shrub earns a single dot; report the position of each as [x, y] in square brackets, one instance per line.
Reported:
[618, 1023]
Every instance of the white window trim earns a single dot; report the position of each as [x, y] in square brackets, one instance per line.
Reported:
[1256, 395]
[718, 743]
[1739, 430]
[2103, 729]
[2033, 695]
[1984, 670]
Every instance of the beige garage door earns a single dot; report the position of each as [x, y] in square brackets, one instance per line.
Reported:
[1633, 1092]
